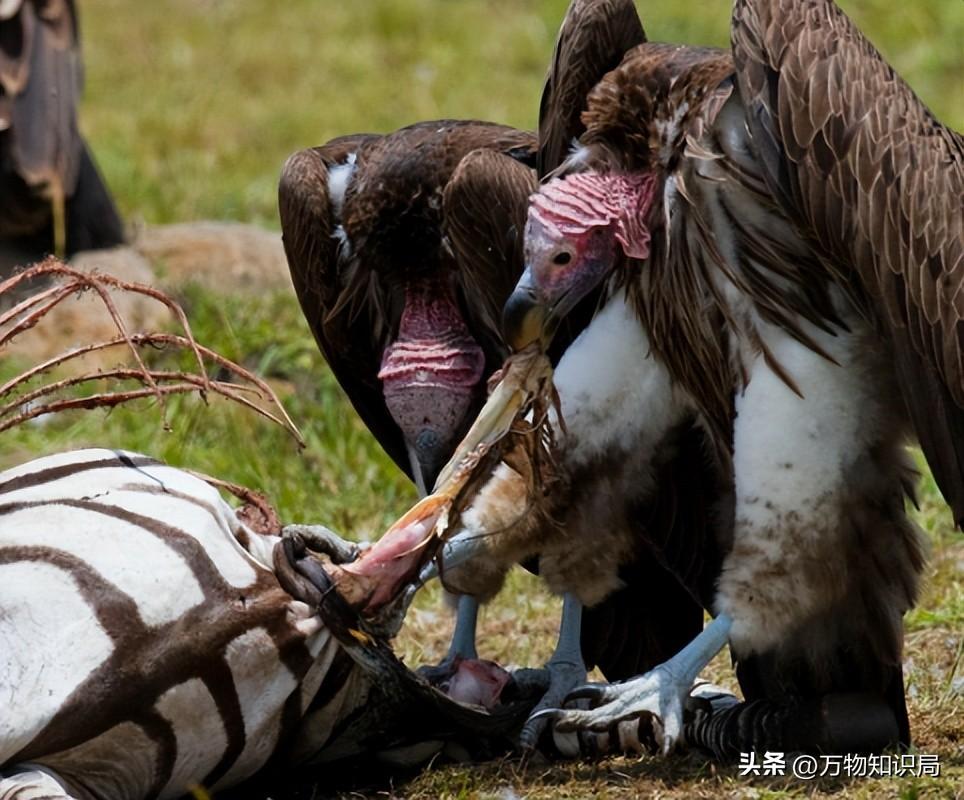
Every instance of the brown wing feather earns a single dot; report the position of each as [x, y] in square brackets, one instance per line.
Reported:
[344, 333]
[484, 209]
[877, 183]
[593, 38]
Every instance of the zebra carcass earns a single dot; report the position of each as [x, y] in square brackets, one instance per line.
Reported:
[152, 642]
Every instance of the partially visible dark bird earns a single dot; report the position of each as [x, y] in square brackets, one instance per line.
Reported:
[402, 249]
[52, 198]
[786, 224]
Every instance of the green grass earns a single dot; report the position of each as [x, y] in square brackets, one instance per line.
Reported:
[191, 108]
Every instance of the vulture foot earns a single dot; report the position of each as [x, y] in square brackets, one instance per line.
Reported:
[564, 676]
[324, 540]
[662, 692]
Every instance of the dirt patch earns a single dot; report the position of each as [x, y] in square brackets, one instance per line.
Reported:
[221, 256]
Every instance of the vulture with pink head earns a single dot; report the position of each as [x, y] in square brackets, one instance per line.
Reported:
[776, 233]
[403, 248]
[54, 199]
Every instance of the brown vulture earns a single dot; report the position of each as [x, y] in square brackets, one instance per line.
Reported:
[785, 222]
[403, 248]
[52, 198]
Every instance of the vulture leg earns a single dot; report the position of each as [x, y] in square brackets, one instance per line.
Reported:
[463, 638]
[566, 670]
[457, 550]
[661, 691]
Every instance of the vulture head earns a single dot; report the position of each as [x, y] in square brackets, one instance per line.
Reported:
[600, 208]
[579, 229]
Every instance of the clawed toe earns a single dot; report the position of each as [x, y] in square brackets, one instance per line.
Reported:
[535, 726]
[594, 692]
[323, 540]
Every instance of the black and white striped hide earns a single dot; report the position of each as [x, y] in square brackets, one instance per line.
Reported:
[148, 645]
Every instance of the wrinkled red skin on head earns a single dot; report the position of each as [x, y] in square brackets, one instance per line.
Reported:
[574, 227]
[589, 254]
[431, 373]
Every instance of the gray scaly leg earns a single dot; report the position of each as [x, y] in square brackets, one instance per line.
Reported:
[662, 691]
[566, 671]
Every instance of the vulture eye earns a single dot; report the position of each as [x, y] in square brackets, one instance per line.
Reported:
[562, 258]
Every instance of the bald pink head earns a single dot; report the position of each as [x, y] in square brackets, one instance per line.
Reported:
[573, 206]
[574, 228]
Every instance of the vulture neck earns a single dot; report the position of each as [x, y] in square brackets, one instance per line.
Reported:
[615, 396]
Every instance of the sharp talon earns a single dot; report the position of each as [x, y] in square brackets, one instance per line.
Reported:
[589, 691]
[531, 733]
[565, 725]
[546, 713]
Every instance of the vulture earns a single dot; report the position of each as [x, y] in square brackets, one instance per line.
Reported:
[626, 494]
[403, 249]
[53, 197]
[783, 223]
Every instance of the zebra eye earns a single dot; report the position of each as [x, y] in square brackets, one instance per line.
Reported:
[562, 258]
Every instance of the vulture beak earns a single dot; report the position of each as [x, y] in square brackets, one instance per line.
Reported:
[561, 269]
[424, 474]
[525, 319]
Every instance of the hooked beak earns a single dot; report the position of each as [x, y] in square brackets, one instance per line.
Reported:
[526, 318]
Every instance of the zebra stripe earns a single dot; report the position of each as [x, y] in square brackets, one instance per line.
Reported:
[143, 648]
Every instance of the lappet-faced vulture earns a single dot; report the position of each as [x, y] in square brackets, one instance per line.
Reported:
[629, 498]
[52, 198]
[403, 248]
[785, 221]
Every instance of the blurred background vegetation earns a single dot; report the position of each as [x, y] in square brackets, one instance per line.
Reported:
[191, 107]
